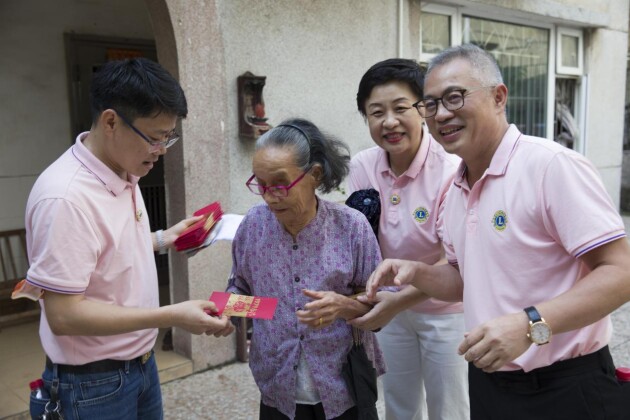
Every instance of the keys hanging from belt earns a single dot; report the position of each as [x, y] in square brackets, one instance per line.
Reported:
[52, 411]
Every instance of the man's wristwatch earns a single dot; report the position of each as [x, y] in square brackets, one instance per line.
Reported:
[539, 330]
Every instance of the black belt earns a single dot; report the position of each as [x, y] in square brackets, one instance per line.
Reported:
[107, 365]
[562, 368]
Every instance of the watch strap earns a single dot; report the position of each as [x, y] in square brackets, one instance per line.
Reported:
[533, 314]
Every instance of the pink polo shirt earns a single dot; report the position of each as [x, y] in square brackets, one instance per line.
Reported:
[518, 233]
[88, 233]
[408, 230]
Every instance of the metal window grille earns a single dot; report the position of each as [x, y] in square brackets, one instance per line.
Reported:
[522, 54]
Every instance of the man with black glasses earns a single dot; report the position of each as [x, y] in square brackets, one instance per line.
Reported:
[91, 253]
[536, 249]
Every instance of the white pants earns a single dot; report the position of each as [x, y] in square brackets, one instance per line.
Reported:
[421, 355]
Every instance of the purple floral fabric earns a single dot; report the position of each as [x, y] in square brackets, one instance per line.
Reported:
[336, 251]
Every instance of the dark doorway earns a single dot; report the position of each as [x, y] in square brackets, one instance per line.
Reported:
[84, 55]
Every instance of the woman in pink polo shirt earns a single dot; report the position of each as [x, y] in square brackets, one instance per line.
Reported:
[411, 172]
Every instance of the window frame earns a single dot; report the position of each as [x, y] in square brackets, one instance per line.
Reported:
[569, 70]
[456, 15]
[455, 32]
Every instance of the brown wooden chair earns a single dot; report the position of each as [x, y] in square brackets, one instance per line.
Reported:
[13, 267]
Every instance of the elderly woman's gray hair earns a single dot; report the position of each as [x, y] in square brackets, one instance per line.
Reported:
[311, 146]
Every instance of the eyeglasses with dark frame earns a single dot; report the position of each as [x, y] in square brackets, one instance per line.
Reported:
[173, 136]
[451, 100]
[279, 191]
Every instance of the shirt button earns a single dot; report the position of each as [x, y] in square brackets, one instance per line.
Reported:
[297, 279]
[471, 212]
[301, 337]
[294, 367]
[295, 247]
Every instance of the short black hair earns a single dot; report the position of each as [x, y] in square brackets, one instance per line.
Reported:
[391, 70]
[136, 87]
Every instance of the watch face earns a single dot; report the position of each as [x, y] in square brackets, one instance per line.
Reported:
[540, 333]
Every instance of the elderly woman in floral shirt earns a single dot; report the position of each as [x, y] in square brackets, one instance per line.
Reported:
[311, 254]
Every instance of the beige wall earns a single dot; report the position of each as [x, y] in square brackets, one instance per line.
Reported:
[313, 54]
[605, 61]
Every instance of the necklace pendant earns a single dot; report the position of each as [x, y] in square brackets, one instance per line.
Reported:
[394, 199]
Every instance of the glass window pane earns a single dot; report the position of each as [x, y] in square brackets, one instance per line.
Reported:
[569, 51]
[436, 32]
[523, 56]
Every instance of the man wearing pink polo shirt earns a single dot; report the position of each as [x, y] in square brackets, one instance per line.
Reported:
[537, 251]
[91, 252]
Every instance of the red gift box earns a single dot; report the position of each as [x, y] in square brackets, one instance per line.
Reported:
[196, 234]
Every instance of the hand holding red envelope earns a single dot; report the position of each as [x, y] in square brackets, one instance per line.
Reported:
[230, 304]
[195, 235]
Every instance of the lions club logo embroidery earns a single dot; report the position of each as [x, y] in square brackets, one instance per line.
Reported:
[499, 220]
[421, 214]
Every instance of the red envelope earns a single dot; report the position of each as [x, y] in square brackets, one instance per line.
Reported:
[230, 304]
[196, 233]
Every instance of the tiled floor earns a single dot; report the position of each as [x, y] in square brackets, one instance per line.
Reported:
[22, 358]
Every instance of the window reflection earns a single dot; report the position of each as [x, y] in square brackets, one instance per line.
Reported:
[522, 53]
[570, 51]
[436, 32]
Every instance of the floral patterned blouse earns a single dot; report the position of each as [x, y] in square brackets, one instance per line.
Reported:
[337, 251]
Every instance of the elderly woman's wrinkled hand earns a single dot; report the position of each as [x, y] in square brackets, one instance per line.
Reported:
[381, 314]
[324, 310]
